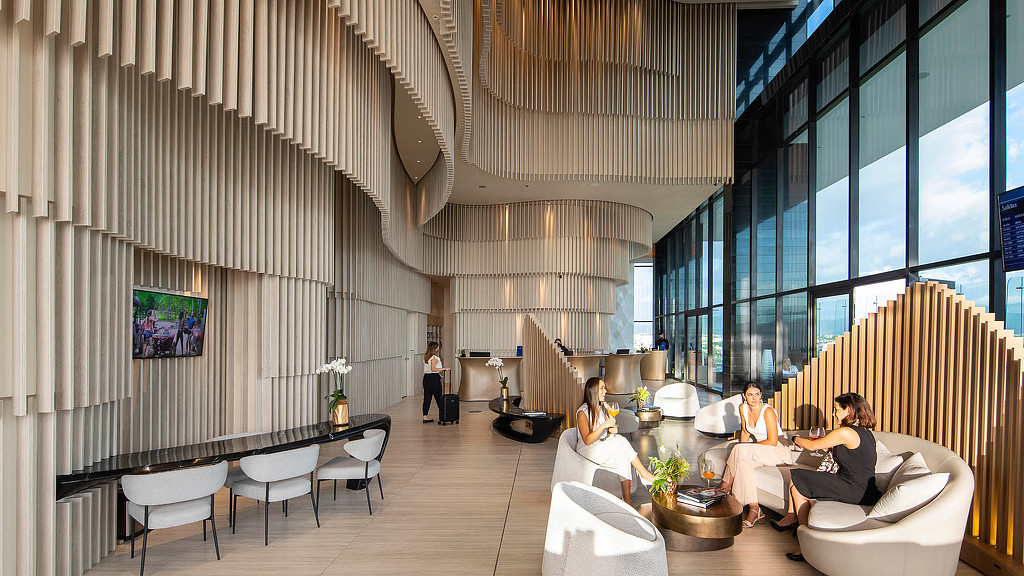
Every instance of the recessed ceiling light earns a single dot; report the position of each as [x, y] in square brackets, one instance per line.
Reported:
[417, 161]
[434, 16]
[482, 186]
[419, 141]
[420, 116]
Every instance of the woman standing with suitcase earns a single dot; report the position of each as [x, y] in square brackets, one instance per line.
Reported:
[432, 369]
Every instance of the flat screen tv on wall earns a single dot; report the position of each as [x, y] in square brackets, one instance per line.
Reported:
[167, 325]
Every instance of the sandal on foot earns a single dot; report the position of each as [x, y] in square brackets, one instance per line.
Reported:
[750, 524]
[795, 557]
[428, 420]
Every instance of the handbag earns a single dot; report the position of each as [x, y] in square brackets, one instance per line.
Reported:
[828, 463]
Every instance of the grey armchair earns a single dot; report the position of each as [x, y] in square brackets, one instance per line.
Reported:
[174, 498]
[277, 477]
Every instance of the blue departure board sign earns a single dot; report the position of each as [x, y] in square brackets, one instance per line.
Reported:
[1011, 229]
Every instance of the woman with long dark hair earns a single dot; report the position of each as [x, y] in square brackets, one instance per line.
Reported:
[599, 443]
[759, 446]
[853, 447]
[432, 369]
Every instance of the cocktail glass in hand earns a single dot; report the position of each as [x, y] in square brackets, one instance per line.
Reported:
[815, 433]
[613, 409]
[707, 470]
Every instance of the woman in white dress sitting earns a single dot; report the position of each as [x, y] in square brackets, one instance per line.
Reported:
[759, 446]
[600, 443]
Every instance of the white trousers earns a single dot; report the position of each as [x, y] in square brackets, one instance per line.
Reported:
[614, 453]
[746, 456]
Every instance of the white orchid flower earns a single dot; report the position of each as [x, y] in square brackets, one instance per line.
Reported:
[661, 449]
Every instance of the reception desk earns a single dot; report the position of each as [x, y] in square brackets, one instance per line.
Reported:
[654, 365]
[480, 382]
[587, 366]
[622, 373]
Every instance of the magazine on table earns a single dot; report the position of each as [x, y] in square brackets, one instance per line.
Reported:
[699, 496]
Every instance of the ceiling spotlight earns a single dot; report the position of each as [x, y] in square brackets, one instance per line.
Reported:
[434, 16]
[417, 161]
[420, 116]
[419, 141]
[482, 186]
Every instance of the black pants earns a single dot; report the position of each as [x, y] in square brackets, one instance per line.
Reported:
[431, 389]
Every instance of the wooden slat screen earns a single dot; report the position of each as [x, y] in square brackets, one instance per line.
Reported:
[547, 380]
[937, 367]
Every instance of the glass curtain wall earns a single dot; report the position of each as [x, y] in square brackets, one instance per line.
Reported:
[867, 168]
[695, 263]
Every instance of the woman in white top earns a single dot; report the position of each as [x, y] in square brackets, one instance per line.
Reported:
[759, 446]
[599, 443]
[432, 369]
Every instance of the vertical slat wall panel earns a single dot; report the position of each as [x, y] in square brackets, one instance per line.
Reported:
[130, 158]
[369, 303]
[552, 385]
[938, 367]
[559, 260]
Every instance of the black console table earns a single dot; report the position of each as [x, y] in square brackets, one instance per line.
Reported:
[541, 425]
[213, 452]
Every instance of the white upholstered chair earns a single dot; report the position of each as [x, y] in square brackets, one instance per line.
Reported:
[174, 498]
[363, 464]
[570, 466]
[592, 532]
[234, 475]
[277, 477]
[720, 418]
[677, 400]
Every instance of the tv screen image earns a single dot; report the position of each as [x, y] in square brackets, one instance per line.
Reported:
[167, 325]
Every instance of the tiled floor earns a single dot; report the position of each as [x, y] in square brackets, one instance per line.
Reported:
[459, 500]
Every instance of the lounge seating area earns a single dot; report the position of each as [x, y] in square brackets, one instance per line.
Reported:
[372, 256]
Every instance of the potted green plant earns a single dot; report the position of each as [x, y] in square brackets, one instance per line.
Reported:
[462, 352]
[640, 396]
[502, 379]
[668, 473]
[643, 350]
[338, 401]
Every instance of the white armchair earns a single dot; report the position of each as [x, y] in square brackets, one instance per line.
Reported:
[174, 498]
[592, 532]
[678, 400]
[276, 478]
[569, 465]
[720, 418]
[363, 465]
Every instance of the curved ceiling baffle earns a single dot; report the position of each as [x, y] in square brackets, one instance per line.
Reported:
[558, 259]
[627, 91]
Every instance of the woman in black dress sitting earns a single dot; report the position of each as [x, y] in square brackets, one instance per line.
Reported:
[853, 447]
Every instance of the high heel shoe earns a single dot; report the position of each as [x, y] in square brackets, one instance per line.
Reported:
[795, 557]
[785, 528]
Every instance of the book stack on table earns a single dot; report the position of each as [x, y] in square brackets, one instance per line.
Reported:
[699, 497]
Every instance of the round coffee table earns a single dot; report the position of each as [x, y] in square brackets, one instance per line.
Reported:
[649, 417]
[693, 529]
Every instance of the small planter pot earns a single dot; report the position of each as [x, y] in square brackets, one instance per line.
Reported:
[504, 393]
[339, 414]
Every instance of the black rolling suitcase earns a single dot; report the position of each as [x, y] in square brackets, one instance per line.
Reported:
[449, 409]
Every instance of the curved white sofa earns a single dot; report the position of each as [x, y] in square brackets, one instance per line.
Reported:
[677, 400]
[840, 540]
[592, 532]
[720, 418]
[627, 422]
[570, 466]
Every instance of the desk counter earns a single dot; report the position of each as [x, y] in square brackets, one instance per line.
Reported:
[622, 373]
[480, 382]
[587, 366]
